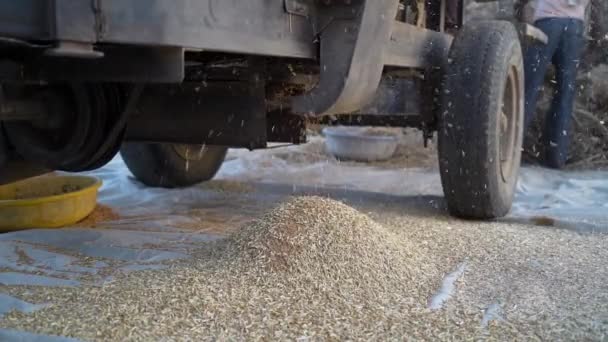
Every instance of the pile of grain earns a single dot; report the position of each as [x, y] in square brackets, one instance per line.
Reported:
[316, 269]
[312, 267]
[319, 239]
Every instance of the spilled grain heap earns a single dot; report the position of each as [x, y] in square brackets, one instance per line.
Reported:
[316, 269]
[312, 234]
[320, 241]
[310, 267]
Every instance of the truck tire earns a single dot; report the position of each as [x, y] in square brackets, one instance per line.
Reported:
[172, 165]
[481, 127]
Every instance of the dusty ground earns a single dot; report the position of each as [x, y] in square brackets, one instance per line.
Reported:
[371, 255]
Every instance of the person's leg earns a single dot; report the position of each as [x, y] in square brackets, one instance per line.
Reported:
[559, 118]
[537, 58]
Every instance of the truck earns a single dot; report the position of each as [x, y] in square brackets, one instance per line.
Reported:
[171, 85]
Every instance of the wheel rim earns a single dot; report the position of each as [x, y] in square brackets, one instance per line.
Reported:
[190, 152]
[509, 124]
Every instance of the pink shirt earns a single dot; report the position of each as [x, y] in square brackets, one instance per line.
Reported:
[574, 9]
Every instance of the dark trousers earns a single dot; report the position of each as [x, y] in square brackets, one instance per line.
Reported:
[566, 43]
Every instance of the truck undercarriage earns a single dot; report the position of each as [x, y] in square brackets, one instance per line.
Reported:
[184, 80]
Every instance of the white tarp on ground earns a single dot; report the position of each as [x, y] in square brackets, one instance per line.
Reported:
[70, 257]
[575, 200]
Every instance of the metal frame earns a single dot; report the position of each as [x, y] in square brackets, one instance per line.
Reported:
[351, 68]
[352, 42]
[246, 26]
[349, 37]
[355, 50]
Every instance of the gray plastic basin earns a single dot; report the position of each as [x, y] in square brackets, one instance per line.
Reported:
[359, 144]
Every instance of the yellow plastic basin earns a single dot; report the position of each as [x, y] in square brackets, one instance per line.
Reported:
[47, 202]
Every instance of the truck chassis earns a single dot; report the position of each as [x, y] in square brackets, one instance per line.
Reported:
[82, 80]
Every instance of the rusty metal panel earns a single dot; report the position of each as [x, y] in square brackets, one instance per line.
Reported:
[242, 26]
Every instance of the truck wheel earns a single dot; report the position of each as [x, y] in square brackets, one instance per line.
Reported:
[172, 165]
[481, 128]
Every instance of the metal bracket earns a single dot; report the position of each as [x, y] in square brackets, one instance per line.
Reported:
[351, 65]
[74, 50]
